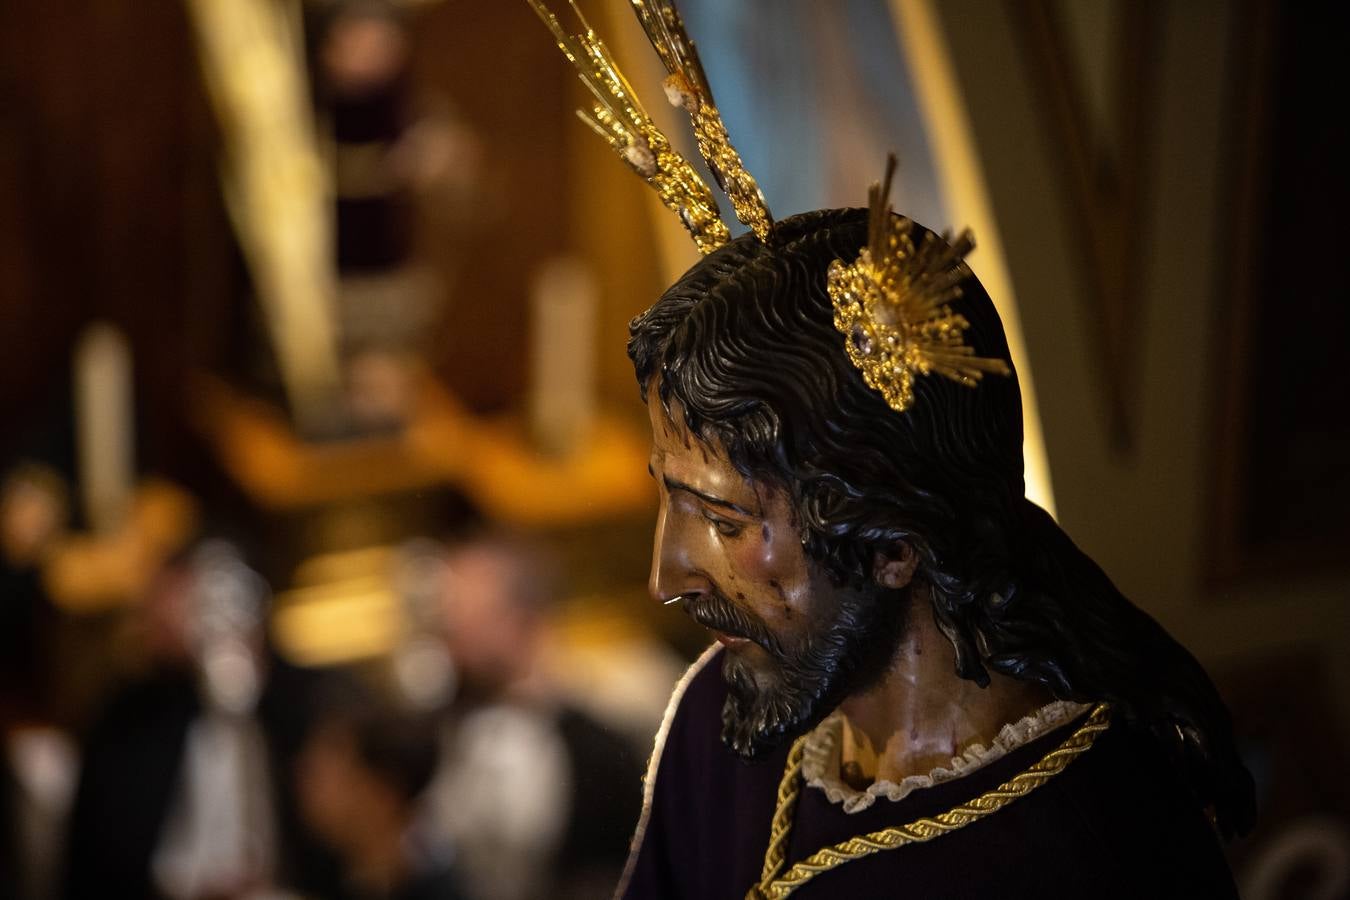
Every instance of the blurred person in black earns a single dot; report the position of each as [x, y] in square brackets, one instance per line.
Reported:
[538, 796]
[36, 758]
[33, 513]
[359, 779]
[184, 789]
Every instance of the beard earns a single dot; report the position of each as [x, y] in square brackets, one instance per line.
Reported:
[806, 676]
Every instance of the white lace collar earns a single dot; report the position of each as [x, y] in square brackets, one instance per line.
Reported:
[820, 758]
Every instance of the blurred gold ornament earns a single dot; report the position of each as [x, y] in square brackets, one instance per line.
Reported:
[893, 305]
[619, 118]
[687, 87]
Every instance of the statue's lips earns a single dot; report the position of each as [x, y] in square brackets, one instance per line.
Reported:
[706, 614]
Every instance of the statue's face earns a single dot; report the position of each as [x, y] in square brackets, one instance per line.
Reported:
[729, 550]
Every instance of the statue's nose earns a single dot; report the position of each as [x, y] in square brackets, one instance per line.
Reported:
[673, 576]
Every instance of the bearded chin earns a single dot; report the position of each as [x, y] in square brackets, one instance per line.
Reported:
[800, 685]
[763, 709]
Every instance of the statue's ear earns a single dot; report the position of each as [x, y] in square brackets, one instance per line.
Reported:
[894, 567]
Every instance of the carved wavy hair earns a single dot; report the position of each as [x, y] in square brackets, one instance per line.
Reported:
[744, 341]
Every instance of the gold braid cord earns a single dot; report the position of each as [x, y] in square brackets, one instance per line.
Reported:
[687, 87]
[618, 117]
[892, 305]
[781, 829]
[773, 887]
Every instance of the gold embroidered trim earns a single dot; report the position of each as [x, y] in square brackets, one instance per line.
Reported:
[772, 886]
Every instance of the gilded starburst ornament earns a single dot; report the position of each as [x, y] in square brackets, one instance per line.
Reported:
[893, 305]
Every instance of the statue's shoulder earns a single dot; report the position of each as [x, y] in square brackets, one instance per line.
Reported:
[688, 711]
[694, 711]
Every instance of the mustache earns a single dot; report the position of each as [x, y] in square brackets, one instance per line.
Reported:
[713, 610]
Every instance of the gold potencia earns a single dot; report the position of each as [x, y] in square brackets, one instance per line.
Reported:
[893, 305]
[618, 117]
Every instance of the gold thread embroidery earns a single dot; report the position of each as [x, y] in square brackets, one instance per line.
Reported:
[772, 886]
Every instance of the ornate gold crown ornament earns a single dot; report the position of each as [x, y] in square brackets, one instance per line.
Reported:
[892, 305]
[619, 118]
[687, 87]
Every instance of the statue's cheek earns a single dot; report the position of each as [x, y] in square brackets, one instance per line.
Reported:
[771, 563]
[757, 555]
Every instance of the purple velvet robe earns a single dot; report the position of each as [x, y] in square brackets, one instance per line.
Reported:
[1115, 823]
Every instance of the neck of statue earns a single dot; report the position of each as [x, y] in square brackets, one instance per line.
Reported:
[922, 714]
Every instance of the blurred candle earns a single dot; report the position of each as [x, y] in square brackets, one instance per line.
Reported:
[562, 392]
[104, 425]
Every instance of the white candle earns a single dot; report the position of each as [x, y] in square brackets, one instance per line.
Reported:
[105, 429]
[563, 305]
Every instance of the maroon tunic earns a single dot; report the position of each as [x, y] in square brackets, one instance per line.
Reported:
[1115, 823]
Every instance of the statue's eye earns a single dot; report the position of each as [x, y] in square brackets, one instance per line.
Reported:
[725, 527]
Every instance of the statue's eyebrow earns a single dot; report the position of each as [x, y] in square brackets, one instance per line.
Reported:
[673, 485]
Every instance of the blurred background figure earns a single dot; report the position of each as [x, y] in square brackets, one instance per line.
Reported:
[359, 779]
[34, 513]
[38, 763]
[538, 797]
[185, 757]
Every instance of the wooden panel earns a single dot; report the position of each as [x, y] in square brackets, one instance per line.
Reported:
[1104, 185]
[494, 67]
[107, 159]
[1281, 491]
